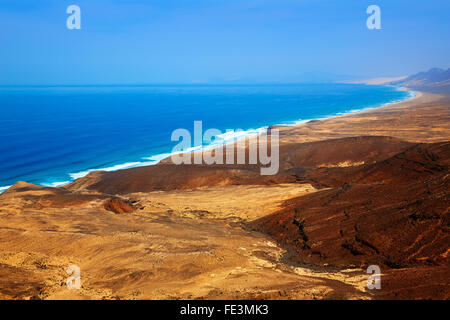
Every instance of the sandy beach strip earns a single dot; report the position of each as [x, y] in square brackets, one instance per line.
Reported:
[424, 118]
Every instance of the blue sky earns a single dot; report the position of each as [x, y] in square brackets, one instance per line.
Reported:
[207, 41]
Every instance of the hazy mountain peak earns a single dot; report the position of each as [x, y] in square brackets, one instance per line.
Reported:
[435, 79]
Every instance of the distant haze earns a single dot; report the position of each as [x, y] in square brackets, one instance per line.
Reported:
[218, 41]
[435, 80]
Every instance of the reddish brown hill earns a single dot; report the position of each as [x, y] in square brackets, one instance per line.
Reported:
[295, 159]
[33, 196]
[340, 152]
[172, 177]
[419, 162]
[367, 224]
[398, 216]
[387, 203]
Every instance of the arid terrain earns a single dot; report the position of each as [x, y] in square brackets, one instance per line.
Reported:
[369, 188]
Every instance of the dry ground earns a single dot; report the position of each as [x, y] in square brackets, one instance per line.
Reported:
[190, 243]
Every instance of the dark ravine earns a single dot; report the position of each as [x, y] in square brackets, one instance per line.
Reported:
[382, 201]
[393, 213]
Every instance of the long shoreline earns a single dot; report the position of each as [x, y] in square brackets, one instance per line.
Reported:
[416, 94]
[155, 159]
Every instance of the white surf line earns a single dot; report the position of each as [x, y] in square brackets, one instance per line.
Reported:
[224, 139]
[4, 188]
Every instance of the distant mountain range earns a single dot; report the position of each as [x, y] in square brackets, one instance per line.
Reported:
[435, 79]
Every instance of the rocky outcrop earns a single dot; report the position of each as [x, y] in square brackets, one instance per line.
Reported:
[394, 213]
[117, 206]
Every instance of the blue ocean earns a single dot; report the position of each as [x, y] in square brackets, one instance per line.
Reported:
[53, 135]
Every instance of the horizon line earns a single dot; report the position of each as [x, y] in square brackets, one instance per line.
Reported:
[167, 84]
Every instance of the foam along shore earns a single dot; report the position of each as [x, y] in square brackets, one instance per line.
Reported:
[412, 95]
[231, 137]
[4, 188]
[221, 140]
[369, 190]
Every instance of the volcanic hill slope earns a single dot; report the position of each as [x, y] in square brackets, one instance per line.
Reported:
[393, 213]
[294, 157]
[208, 232]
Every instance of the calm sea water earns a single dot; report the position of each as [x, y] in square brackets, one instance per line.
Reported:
[52, 135]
